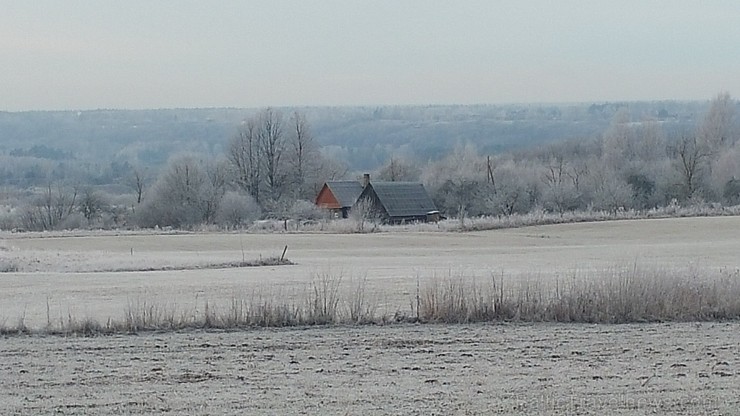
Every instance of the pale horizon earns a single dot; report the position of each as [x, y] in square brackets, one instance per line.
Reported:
[76, 55]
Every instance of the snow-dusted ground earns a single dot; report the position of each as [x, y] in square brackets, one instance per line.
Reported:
[540, 369]
[395, 369]
[62, 276]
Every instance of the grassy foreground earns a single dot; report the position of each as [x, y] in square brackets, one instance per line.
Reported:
[619, 295]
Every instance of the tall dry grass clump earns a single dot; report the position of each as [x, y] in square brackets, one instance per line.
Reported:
[464, 299]
[619, 295]
[323, 299]
[329, 299]
[7, 265]
[19, 328]
[652, 295]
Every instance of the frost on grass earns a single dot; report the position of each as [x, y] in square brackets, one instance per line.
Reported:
[614, 296]
[619, 295]
[97, 262]
[8, 266]
[267, 261]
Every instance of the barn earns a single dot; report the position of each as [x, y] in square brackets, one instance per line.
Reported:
[339, 196]
[399, 202]
[391, 202]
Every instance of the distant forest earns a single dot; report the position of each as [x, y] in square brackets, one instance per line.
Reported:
[111, 168]
[102, 146]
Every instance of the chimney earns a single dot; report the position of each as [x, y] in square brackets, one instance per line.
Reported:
[365, 180]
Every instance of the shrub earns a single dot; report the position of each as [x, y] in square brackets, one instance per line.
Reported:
[305, 210]
[237, 210]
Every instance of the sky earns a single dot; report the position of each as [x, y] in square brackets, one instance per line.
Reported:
[134, 54]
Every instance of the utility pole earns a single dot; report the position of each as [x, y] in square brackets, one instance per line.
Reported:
[491, 180]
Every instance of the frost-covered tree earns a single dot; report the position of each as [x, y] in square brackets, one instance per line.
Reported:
[303, 157]
[618, 141]
[717, 130]
[244, 156]
[690, 161]
[278, 162]
[457, 182]
[610, 191]
[273, 145]
[237, 210]
[50, 209]
[91, 204]
[398, 170]
[717, 136]
[510, 191]
[188, 193]
[560, 193]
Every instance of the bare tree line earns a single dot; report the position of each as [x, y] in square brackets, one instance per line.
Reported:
[273, 168]
[632, 166]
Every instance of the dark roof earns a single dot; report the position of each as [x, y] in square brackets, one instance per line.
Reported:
[403, 199]
[346, 192]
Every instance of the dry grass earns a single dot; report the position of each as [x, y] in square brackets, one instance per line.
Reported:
[619, 295]
[329, 299]
[261, 262]
[8, 266]
[31, 263]
[540, 217]
[535, 217]
[19, 328]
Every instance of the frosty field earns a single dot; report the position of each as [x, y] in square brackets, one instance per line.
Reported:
[63, 276]
[396, 369]
[541, 369]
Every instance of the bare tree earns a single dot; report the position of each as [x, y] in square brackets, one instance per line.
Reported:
[91, 204]
[365, 212]
[272, 149]
[304, 158]
[576, 172]
[213, 192]
[560, 192]
[332, 169]
[726, 169]
[138, 180]
[59, 206]
[610, 191]
[244, 155]
[188, 193]
[326, 169]
[51, 208]
[397, 170]
[618, 140]
[651, 145]
[717, 128]
[690, 162]
[717, 135]
[457, 181]
[509, 193]
[275, 162]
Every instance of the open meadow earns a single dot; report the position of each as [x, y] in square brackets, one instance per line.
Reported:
[52, 280]
[62, 276]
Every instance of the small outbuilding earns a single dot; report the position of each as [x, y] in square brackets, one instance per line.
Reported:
[339, 196]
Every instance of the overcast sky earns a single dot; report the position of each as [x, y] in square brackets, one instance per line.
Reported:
[69, 54]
